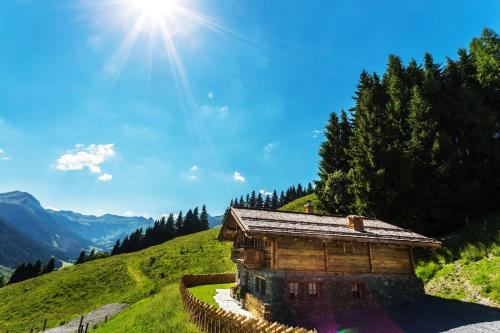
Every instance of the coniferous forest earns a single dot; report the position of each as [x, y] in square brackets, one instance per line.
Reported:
[30, 270]
[421, 146]
[271, 200]
[163, 230]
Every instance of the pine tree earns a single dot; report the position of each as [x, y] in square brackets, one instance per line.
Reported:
[275, 202]
[282, 199]
[179, 224]
[204, 218]
[51, 266]
[197, 222]
[241, 203]
[2, 281]
[20, 274]
[300, 191]
[189, 223]
[259, 202]
[310, 188]
[170, 231]
[267, 202]
[81, 258]
[253, 200]
[116, 249]
[37, 269]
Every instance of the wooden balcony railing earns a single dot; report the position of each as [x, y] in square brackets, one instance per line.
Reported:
[250, 257]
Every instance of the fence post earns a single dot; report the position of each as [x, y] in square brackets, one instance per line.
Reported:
[44, 325]
[86, 327]
[80, 325]
[106, 318]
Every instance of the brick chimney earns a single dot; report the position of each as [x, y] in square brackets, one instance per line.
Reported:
[355, 222]
[308, 207]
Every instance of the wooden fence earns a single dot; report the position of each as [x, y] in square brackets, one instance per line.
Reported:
[213, 320]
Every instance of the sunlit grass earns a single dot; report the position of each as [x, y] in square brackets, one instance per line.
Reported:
[207, 292]
[149, 276]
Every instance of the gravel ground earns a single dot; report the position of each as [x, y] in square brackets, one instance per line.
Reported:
[93, 317]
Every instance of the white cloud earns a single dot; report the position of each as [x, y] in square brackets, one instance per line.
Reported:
[316, 133]
[129, 213]
[210, 95]
[4, 156]
[238, 177]
[105, 177]
[269, 147]
[265, 193]
[90, 157]
[191, 175]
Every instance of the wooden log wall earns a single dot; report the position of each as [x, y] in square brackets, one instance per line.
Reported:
[212, 320]
[337, 257]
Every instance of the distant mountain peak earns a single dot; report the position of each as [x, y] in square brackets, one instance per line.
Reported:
[20, 198]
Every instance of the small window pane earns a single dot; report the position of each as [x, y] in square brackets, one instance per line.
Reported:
[356, 290]
[312, 289]
[293, 289]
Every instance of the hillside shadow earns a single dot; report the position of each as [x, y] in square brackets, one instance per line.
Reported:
[429, 315]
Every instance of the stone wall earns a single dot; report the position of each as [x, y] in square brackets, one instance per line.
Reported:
[335, 293]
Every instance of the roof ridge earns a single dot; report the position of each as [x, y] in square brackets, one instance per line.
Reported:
[300, 213]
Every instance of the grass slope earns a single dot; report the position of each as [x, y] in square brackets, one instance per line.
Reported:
[467, 268]
[147, 279]
[298, 205]
[207, 292]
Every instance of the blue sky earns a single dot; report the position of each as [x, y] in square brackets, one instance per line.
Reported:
[92, 123]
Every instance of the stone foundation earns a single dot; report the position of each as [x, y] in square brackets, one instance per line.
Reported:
[336, 293]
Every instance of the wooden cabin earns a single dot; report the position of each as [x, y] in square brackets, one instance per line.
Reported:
[292, 266]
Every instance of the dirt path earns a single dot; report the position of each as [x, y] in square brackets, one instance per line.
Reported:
[92, 318]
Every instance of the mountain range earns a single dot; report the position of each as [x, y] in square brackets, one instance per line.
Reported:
[29, 231]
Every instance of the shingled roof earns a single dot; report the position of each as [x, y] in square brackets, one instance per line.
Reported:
[269, 223]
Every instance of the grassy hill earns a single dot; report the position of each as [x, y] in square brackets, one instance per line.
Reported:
[148, 280]
[467, 267]
[298, 205]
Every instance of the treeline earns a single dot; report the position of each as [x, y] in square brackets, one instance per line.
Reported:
[92, 255]
[163, 230]
[30, 270]
[421, 146]
[271, 201]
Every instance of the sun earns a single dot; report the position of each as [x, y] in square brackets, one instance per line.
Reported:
[154, 6]
[155, 9]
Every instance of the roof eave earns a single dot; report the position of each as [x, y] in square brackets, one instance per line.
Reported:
[432, 243]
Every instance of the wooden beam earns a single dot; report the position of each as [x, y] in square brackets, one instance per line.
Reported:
[370, 255]
[411, 260]
[325, 245]
[273, 253]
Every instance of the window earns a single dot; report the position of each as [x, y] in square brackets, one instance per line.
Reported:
[293, 289]
[260, 286]
[312, 289]
[356, 290]
[348, 248]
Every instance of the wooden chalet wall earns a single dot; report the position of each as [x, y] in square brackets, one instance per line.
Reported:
[287, 254]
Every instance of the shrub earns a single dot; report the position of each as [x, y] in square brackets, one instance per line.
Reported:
[473, 252]
[426, 270]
